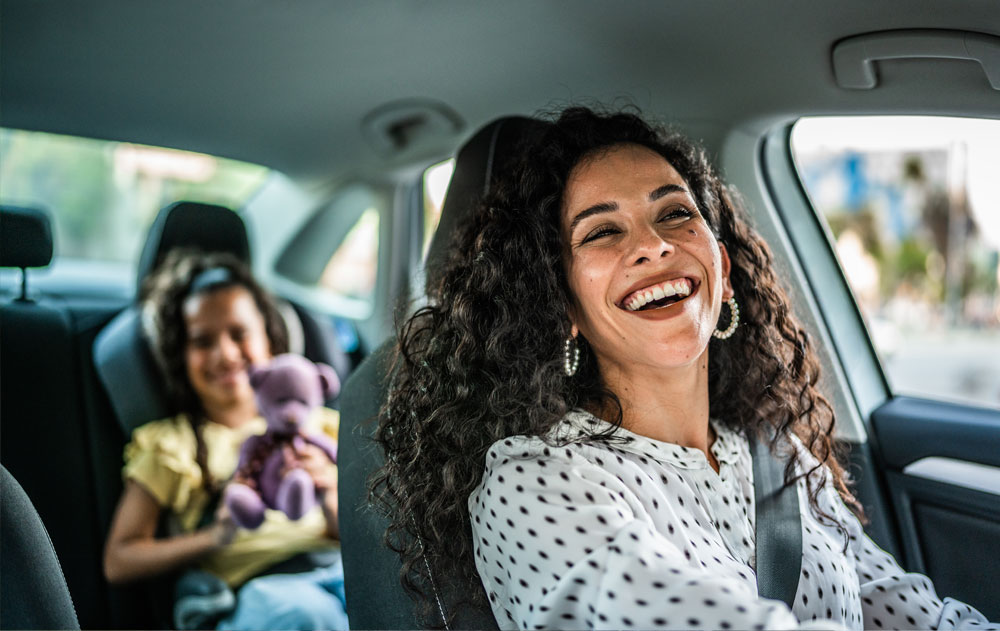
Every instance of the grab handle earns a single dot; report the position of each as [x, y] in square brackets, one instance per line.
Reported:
[854, 58]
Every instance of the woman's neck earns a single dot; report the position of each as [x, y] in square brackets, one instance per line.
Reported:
[231, 415]
[669, 405]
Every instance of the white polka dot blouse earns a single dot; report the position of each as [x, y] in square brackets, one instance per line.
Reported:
[637, 533]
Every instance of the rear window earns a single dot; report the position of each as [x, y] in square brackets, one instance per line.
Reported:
[913, 207]
[102, 196]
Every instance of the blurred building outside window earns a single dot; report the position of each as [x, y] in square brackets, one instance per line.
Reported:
[913, 206]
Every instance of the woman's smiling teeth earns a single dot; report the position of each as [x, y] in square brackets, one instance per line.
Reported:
[659, 295]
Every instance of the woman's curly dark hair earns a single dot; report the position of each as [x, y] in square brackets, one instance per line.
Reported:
[483, 361]
[163, 296]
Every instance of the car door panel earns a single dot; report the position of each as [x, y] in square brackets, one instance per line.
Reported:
[942, 472]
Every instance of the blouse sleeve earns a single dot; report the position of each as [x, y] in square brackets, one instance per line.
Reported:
[160, 459]
[894, 599]
[560, 543]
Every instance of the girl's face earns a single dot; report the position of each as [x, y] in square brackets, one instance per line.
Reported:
[226, 334]
[646, 273]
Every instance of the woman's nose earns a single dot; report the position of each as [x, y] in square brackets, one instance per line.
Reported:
[650, 245]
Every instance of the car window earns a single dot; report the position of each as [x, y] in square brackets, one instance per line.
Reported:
[102, 196]
[911, 205]
[435, 187]
[351, 271]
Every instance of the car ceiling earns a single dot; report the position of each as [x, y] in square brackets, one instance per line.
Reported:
[287, 84]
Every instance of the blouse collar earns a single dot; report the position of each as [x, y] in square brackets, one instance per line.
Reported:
[582, 424]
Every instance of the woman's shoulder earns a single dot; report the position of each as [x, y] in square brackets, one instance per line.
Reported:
[567, 441]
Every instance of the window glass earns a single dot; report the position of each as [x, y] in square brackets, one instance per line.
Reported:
[102, 196]
[351, 271]
[913, 207]
[435, 185]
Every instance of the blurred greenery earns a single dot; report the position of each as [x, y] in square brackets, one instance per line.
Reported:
[102, 197]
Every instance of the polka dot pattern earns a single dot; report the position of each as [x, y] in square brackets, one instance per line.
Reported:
[638, 533]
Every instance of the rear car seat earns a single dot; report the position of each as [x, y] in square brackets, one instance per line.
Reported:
[375, 597]
[44, 434]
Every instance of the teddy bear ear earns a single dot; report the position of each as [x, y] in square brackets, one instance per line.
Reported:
[258, 375]
[328, 380]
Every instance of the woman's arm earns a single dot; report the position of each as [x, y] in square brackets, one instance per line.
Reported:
[894, 599]
[132, 552]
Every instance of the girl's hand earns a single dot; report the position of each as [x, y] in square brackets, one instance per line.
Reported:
[223, 529]
[319, 467]
[324, 474]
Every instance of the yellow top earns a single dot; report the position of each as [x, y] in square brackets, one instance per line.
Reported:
[161, 458]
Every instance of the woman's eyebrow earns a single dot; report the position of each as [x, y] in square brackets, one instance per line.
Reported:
[606, 207]
[603, 207]
[666, 189]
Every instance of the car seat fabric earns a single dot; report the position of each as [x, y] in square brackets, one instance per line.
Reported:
[44, 439]
[205, 227]
[33, 591]
[26, 238]
[375, 597]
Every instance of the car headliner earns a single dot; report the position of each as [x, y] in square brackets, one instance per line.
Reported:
[287, 84]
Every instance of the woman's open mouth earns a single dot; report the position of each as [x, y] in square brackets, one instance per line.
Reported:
[659, 295]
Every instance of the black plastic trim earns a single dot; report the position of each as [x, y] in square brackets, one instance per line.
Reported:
[909, 429]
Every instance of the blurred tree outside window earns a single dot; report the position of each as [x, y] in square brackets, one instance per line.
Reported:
[913, 207]
[102, 196]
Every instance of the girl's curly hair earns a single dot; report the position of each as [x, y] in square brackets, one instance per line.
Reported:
[163, 296]
[483, 361]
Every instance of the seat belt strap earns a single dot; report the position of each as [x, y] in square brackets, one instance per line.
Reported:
[778, 528]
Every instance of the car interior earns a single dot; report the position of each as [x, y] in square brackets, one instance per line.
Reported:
[350, 111]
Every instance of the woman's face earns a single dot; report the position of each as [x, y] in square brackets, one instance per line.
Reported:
[226, 334]
[646, 273]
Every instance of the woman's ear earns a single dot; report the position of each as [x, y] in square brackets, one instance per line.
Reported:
[574, 330]
[727, 285]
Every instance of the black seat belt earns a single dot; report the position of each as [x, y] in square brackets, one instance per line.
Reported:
[778, 528]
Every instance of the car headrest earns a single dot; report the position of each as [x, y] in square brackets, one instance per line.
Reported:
[25, 237]
[193, 225]
[485, 154]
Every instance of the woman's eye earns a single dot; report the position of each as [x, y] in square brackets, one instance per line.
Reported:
[676, 214]
[201, 341]
[598, 233]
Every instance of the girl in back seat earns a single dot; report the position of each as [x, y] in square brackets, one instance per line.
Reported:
[208, 321]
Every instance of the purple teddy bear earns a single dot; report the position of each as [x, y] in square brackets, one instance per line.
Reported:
[287, 389]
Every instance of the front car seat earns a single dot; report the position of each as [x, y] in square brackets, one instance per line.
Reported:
[33, 591]
[375, 597]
